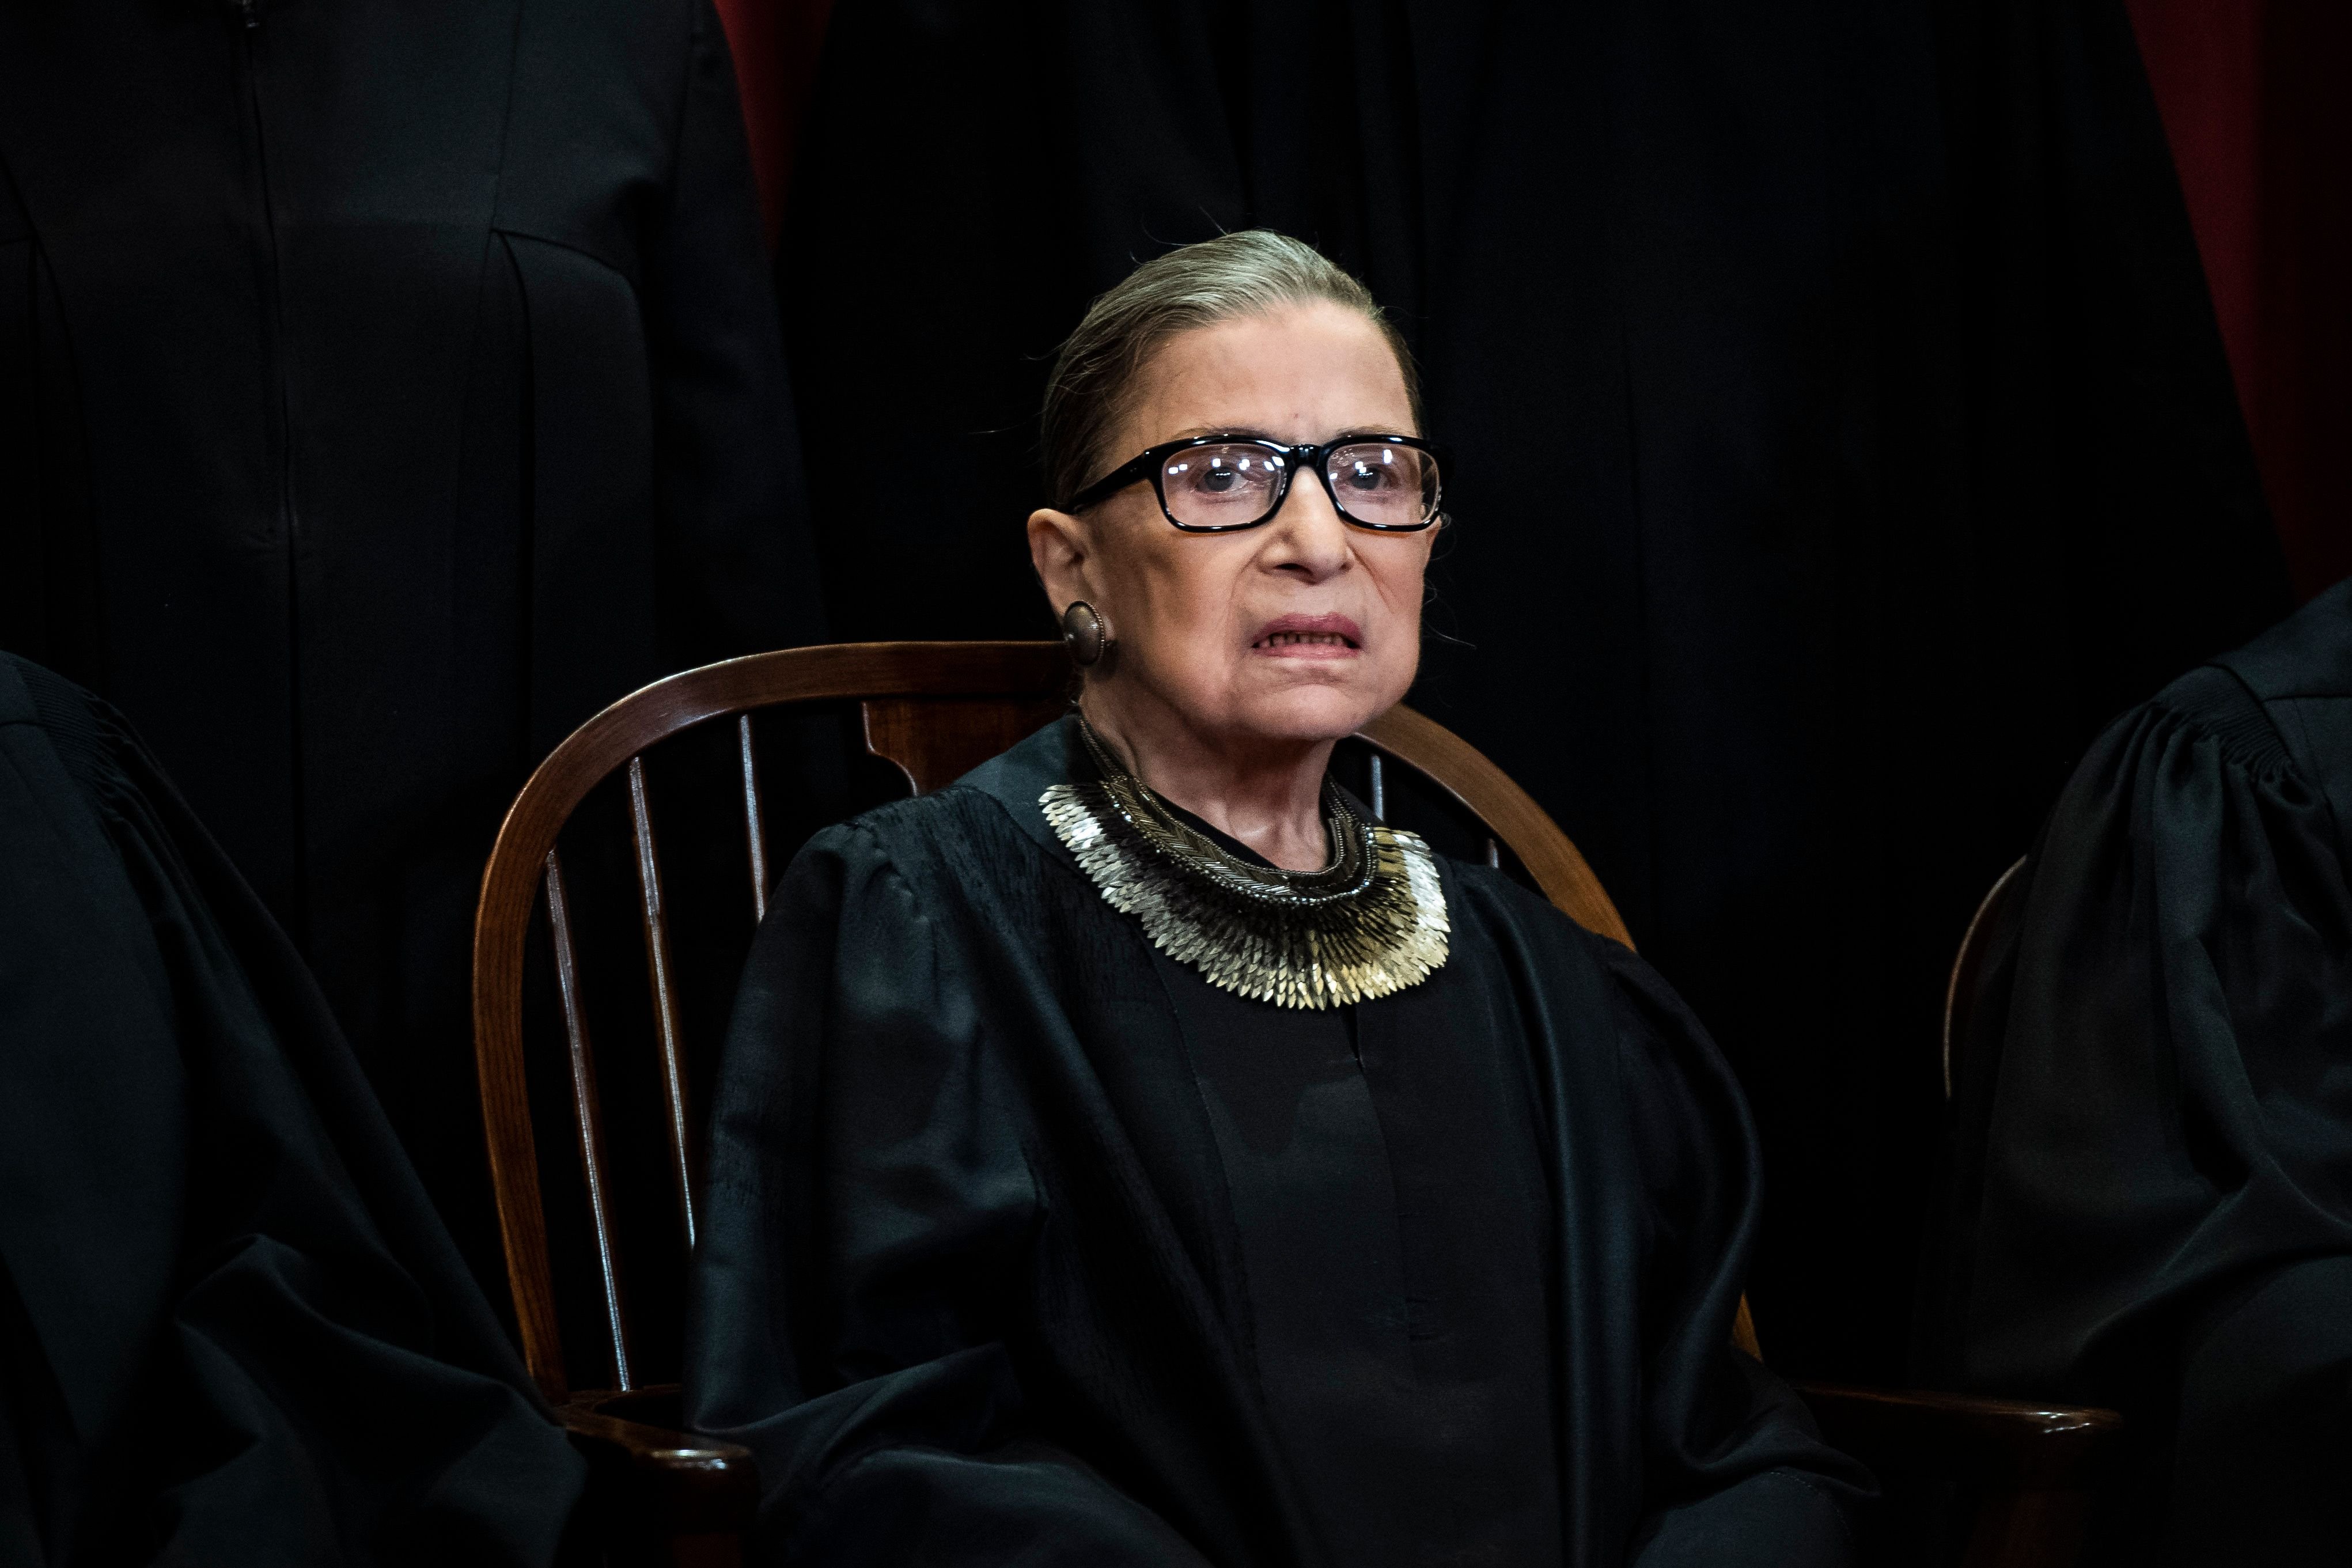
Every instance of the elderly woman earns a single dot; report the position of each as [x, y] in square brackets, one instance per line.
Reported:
[1138, 1154]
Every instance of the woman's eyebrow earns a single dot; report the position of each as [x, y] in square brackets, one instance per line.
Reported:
[1353, 432]
[1252, 431]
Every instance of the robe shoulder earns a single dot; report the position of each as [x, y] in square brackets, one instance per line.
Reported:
[210, 1242]
[2309, 654]
[2151, 1109]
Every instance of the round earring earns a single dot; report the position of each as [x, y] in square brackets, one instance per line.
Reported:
[1084, 634]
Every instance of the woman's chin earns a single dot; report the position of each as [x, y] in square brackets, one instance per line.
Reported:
[1311, 711]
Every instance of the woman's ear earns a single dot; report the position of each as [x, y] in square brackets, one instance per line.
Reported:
[1059, 550]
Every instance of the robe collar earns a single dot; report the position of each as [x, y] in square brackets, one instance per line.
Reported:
[1015, 779]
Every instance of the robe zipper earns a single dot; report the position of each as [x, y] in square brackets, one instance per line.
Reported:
[281, 449]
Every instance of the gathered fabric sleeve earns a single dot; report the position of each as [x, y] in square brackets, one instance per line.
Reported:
[2169, 1098]
[862, 1284]
[1734, 1469]
[232, 1327]
[737, 558]
[2159, 1092]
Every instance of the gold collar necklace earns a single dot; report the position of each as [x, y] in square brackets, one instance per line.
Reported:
[1370, 923]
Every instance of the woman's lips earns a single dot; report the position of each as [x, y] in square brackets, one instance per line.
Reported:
[1309, 637]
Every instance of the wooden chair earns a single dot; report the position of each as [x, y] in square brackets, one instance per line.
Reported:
[1968, 964]
[936, 709]
[2034, 1485]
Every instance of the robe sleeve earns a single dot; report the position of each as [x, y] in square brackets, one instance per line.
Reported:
[232, 1328]
[863, 1270]
[735, 549]
[1734, 1469]
[2159, 1082]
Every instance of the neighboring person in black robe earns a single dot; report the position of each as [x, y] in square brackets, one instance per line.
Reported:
[383, 389]
[232, 1329]
[2152, 1198]
[1049, 1221]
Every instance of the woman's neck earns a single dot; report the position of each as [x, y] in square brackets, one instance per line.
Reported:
[1266, 793]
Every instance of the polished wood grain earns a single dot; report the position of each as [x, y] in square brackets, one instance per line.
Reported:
[2035, 1443]
[654, 919]
[1968, 964]
[935, 741]
[1510, 813]
[511, 885]
[1743, 1330]
[658, 1496]
[587, 1120]
[2034, 1469]
[755, 825]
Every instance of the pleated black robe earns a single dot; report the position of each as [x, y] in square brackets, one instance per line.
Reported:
[383, 388]
[232, 1329]
[974, 1279]
[2151, 1202]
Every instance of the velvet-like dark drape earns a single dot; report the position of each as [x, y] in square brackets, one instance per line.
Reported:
[1840, 429]
[2261, 128]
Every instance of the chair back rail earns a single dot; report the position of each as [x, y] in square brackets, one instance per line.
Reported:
[755, 826]
[665, 992]
[1967, 966]
[935, 709]
[1510, 813]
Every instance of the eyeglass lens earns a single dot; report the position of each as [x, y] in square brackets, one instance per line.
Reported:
[1231, 486]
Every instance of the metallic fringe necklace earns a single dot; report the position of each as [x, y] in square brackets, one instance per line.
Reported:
[1371, 923]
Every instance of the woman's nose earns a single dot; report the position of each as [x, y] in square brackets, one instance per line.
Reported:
[1309, 535]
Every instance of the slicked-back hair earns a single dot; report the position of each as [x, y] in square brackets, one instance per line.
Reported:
[1251, 273]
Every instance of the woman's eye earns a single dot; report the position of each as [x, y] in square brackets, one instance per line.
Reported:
[1242, 477]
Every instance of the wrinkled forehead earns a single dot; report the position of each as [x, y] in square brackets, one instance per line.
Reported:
[1304, 374]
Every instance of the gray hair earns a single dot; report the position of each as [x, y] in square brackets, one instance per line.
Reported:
[1253, 272]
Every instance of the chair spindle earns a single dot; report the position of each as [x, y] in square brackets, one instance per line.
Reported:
[588, 1114]
[664, 989]
[755, 830]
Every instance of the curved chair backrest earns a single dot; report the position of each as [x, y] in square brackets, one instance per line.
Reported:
[934, 709]
[1967, 966]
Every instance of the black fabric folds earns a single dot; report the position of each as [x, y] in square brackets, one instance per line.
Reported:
[1842, 438]
[232, 1329]
[974, 1282]
[2151, 1202]
[383, 389]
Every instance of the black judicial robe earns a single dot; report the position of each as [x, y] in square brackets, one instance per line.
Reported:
[384, 387]
[2152, 1205]
[993, 1262]
[1823, 378]
[232, 1329]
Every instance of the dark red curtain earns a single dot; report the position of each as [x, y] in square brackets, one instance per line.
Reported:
[2257, 108]
[776, 44]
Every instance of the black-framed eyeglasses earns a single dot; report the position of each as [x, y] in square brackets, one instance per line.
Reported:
[1220, 484]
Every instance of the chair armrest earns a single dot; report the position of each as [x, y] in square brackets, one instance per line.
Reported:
[672, 1482]
[2032, 1446]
